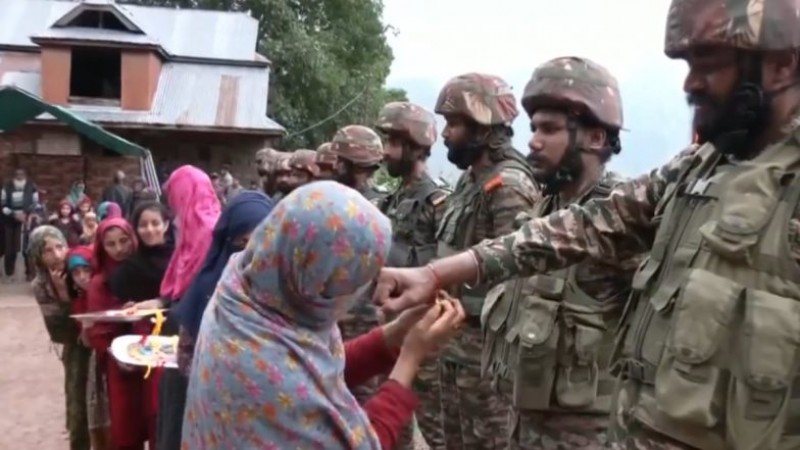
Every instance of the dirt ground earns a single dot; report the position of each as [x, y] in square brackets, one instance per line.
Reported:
[31, 377]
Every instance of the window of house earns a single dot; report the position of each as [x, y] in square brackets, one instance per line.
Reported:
[98, 19]
[96, 73]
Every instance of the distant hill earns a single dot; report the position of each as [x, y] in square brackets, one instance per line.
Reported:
[656, 116]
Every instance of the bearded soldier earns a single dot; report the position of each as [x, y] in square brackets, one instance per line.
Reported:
[707, 354]
[266, 161]
[326, 161]
[496, 185]
[359, 153]
[303, 167]
[556, 383]
[416, 209]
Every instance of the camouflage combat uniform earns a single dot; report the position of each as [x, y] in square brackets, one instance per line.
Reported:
[548, 338]
[707, 353]
[362, 147]
[483, 205]
[416, 208]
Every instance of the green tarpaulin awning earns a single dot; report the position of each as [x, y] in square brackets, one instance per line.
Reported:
[18, 107]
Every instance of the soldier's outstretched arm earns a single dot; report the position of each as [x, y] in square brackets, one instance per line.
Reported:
[613, 229]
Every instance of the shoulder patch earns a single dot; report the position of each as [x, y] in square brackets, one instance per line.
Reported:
[437, 198]
[494, 183]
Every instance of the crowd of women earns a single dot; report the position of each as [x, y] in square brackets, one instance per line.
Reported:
[254, 292]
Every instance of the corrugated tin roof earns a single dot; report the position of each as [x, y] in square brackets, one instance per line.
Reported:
[188, 33]
[188, 95]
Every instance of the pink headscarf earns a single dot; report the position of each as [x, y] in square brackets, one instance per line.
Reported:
[194, 202]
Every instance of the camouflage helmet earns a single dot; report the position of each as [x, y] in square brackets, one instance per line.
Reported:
[759, 25]
[265, 160]
[486, 99]
[325, 155]
[412, 120]
[358, 144]
[282, 163]
[304, 159]
[578, 85]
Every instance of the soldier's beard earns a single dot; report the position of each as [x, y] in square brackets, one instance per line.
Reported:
[346, 178]
[568, 170]
[464, 154]
[401, 167]
[734, 124]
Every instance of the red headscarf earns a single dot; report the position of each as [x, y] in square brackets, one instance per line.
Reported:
[98, 297]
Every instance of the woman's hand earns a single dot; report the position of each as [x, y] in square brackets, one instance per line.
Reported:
[428, 336]
[395, 331]
[431, 333]
[59, 279]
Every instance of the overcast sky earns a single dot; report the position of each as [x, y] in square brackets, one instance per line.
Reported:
[437, 39]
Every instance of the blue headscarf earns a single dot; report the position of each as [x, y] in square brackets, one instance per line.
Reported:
[242, 214]
[268, 369]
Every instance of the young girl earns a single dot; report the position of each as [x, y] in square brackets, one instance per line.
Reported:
[89, 223]
[67, 224]
[79, 273]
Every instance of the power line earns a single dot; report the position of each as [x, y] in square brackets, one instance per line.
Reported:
[332, 116]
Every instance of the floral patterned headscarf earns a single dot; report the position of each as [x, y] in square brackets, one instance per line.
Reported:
[269, 362]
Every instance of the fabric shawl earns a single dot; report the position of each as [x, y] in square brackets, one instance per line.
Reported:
[269, 364]
[191, 197]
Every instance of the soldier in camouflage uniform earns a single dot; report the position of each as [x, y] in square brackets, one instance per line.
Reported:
[707, 351]
[266, 161]
[556, 383]
[282, 172]
[326, 161]
[416, 209]
[303, 167]
[496, 185]
[359, 153]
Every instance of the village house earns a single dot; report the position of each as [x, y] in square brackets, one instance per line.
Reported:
[186, 84]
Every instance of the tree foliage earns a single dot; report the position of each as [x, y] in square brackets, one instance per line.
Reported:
[330, 60]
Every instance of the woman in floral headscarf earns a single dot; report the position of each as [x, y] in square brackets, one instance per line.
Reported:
[269, 368]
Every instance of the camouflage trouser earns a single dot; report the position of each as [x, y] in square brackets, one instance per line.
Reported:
[473, 414]
[75, 358]
[556, 431]
[429, 412]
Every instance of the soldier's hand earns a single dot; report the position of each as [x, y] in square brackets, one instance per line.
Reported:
[400, 289]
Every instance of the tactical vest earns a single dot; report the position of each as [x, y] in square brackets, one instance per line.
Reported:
[409, 248]
[709, 345]
[19, 199]
[546, 340]
[457, 230]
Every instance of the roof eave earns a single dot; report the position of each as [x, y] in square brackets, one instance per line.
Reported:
[194, 128]
[41, 40]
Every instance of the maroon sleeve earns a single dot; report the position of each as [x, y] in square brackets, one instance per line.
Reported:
[390, 411]
[367, 356]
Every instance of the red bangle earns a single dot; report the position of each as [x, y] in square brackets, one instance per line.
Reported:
[435, 277]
